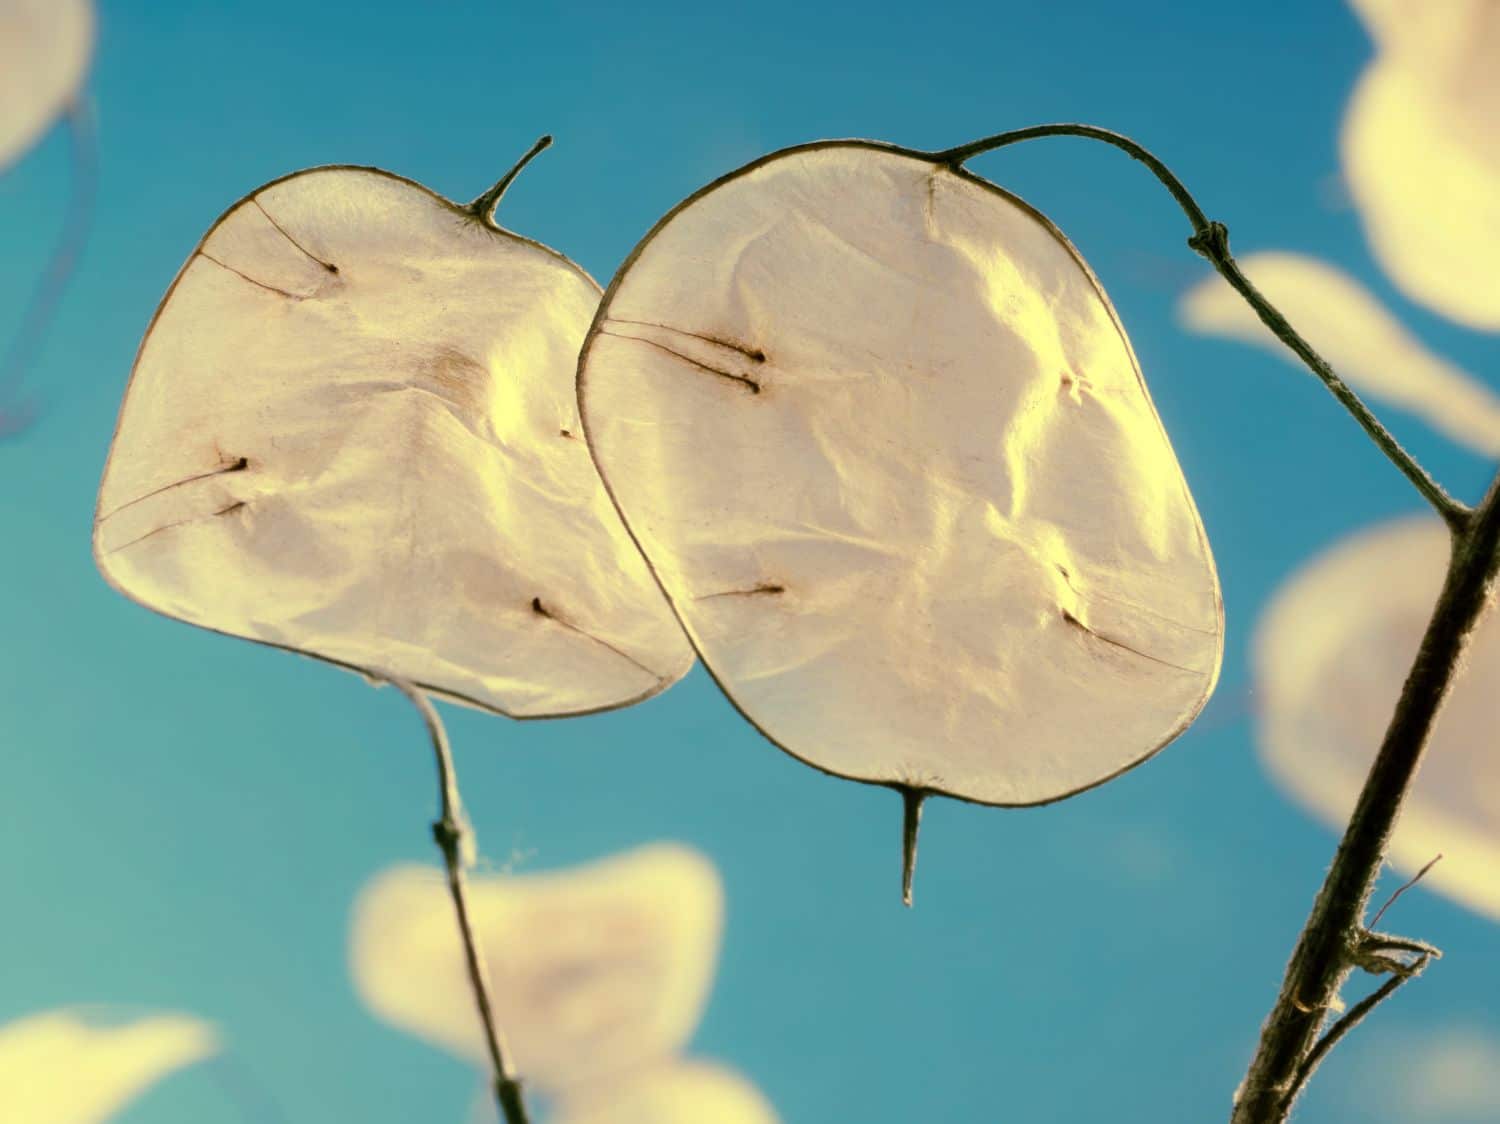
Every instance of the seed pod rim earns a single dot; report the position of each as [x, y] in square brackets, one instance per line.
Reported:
[939, 162]
[460, 211]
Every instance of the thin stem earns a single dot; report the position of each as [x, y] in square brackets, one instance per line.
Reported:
[1401, 889]
[451, 835]
[484, 207]
[1352, 1019]
[48, 294]
[1332, 937]
[1211, 241]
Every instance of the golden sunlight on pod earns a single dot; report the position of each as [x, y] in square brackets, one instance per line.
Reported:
[688, 1092]
[351, 432]
[57, 1068]
[595, 972]
[883, 441]
[1331, 654]
[45, 47]
[1361, 340]
[1421, 152]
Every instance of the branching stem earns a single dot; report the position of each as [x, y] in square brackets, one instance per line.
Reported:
[452, 833]
[1328, 946]
[1211, 241]
[1335, 939]
[1353, 1017]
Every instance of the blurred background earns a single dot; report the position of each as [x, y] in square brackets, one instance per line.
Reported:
[186, 820]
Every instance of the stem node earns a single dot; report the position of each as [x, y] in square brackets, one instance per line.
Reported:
[456, 843]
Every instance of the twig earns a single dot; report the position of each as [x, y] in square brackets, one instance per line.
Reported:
[48, 294]
[1354, 1017]
[1322, 959]
[483, 208]
[449, 832]
[1401, 889]
[1211, 241]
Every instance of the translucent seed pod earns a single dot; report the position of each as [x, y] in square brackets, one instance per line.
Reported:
[595, 972]
[1331, 653]
[58, 1068]
[883, 441]
[686, 1092]
[45, 50]
[351, 432]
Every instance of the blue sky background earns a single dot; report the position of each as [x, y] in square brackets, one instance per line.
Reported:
[185, 819]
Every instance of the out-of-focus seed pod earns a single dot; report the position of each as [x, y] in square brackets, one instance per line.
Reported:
[1331, 653]
[595, 973]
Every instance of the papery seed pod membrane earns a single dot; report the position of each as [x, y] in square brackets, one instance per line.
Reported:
[595, 972]
[351, 432]
[1331, 654]
[685, 1092]
[884, 443]
[56, 1067]
[45, 48]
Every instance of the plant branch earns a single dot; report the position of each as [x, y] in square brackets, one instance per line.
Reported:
[452, 836]
[1334, 938]
[1211, 241]
[1353, 1017]
[43, 304]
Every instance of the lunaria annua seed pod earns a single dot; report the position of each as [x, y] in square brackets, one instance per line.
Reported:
[64, 1067]
[351, 432]
[882, 439]
[599, 972]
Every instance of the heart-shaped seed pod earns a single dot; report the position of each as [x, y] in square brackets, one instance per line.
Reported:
[883, 441]
[351, 432]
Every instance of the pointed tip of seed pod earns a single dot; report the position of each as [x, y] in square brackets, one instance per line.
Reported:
[911, 823]
[483, 208]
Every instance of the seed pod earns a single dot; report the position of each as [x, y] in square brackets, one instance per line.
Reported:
[595, 972]
[885, 446]
[45, 48]
[58, 1068]
[351, 432]
[1420, 148]
[687, 1092]
[1331, 654]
